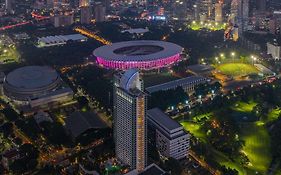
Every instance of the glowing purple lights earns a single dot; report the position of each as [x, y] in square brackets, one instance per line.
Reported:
[142, 54]
[159, 63]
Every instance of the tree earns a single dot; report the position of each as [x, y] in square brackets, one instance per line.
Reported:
[28, 161]
[10, 114]
[7, 129]
[165, 99]
[173, 165]
[228, 171]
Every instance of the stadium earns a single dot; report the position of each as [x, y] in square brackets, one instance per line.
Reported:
[141, 54]
[30, 82]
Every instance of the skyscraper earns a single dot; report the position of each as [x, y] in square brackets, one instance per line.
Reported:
[86, 15]
[196, 11]
[206, 7]
[9, 5]
[261, 5]
[50, 3]
[83, 3]
[218, 12]
[99, 12]
[130, 123]
[240, 14]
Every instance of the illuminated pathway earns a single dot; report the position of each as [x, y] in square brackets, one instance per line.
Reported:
[33, 14]
[204, 164]
[91, 34]
[14, 25]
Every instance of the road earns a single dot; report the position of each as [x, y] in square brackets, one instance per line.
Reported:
[204, 164]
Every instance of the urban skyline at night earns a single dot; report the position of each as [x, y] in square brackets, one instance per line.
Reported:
[140, 87]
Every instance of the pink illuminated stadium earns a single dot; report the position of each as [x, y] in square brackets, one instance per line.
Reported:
[144, 54]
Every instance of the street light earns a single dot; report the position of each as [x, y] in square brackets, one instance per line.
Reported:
[232, 54]
[254, 59]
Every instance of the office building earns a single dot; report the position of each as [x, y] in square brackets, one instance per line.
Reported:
[261, 5]
[196, 11]
[206, 7]
[130, 124]
[240, 14]
[274, 49]
[84, 3]
[99, 10]
[218, 13]
[62, 19]
[86, 15]
[50, 3]
[9, 5]
[171, 139]
[188, 84]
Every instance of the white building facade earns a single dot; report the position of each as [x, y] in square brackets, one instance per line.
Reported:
[274, 50]
[171, 139]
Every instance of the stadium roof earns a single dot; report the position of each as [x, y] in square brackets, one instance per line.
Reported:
[31, 77]
[140, 50]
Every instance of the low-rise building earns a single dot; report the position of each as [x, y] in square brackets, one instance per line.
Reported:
[188, 84]
[151, 169]
[9, 157]
[60, 40]
[274, 49]
[171, 139]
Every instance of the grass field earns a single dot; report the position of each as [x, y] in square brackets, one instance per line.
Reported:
[194, 129]
[256, 137]
[273, 115]
[8, 54]
[237, 69]
[257, 147]
[244, 107]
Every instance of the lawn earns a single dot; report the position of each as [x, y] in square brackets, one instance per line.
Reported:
[194, 129]
[273, 115]
[8, 54]
[225, 161]
[257, 140]
[237, 69]
[244, 107]
[257, 146]
[155, 79]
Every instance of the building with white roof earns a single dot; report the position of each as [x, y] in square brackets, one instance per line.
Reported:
[60, 40]
[188, 84]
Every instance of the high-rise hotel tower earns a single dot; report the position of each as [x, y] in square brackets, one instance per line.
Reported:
[130, 123]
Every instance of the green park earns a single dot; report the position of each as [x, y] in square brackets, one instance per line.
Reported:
[252, 133]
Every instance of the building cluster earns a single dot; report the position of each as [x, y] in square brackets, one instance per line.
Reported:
[132, 123]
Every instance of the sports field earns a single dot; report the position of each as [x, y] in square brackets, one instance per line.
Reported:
[237, 69]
